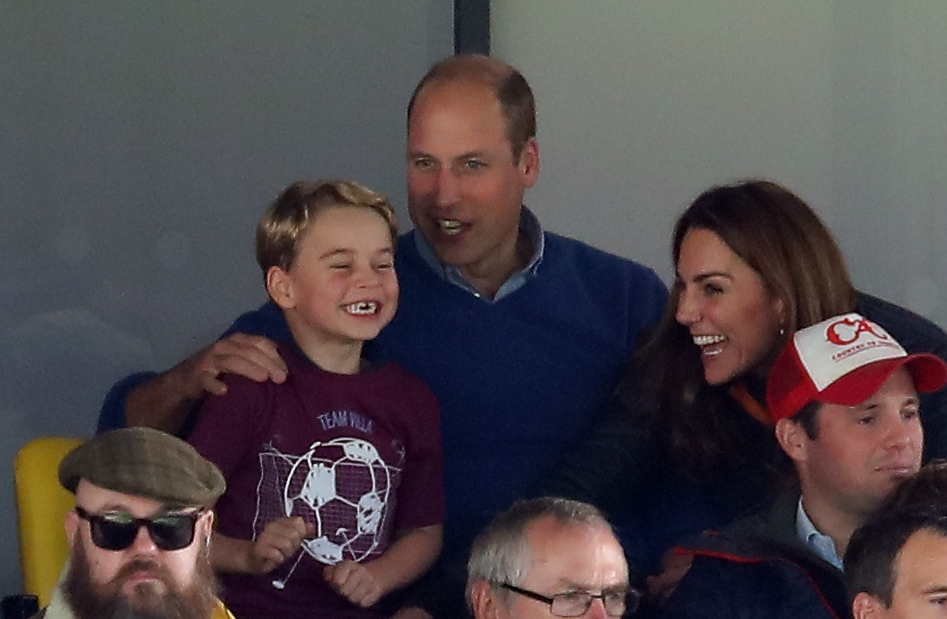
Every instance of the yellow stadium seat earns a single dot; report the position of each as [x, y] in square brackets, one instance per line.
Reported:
[42, 505]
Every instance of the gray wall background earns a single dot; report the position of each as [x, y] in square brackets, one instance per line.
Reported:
[643, 105]
[139, 144]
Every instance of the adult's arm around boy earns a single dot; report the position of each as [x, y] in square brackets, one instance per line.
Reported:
[165, 401]
[162, 400]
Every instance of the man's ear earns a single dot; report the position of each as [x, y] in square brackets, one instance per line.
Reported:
[71, 524]
[206, 526]
[280, 287]
[792, 438]
[780, 308]
[529, 162]
[208, 518]
[484, 601]
[867, 606]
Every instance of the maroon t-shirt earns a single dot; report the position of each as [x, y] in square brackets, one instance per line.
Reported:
[359, 456]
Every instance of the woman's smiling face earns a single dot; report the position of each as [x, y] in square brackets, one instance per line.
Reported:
[726, 307]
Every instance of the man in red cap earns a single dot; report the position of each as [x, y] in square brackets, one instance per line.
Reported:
[843, 396]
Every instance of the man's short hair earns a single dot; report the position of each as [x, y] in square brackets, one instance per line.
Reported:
[808, 418]
[919, 503]
[922, 494]
[501, 553]
[287, 220]
[509, 86]
[870, 561]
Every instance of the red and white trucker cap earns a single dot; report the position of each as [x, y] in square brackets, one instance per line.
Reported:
[844, 360]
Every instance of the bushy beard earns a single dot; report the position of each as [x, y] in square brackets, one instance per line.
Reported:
[145, 600]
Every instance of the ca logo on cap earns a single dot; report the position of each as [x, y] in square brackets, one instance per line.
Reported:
[847, 330]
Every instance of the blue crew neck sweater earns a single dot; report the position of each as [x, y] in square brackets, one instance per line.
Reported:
[519, 379]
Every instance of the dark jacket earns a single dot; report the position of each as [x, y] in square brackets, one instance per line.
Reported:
[758, 568]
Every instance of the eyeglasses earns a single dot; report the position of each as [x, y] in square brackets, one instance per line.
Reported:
[117, 531]
[577, 603]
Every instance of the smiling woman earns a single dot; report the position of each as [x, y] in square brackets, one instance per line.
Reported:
[725, 304]
[754, 264]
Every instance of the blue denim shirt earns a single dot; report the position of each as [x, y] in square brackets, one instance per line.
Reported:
[822, 545]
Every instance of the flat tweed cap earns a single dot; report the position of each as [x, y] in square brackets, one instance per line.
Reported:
[147, 463]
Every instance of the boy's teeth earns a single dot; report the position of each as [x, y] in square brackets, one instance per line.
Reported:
[362, 307]
[450, 226]
[707, 340]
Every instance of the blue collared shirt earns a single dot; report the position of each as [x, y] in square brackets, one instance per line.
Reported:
[820, 544]
[529, 225]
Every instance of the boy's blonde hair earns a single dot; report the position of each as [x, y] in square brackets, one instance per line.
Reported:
[287, 220]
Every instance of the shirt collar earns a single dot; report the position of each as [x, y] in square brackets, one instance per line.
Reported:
[58, 606]
[822, 545]
[529, 225]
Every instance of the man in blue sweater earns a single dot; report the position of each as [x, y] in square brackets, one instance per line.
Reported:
[520, 333]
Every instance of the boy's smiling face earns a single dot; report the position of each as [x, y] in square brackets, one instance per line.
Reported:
[341, 289]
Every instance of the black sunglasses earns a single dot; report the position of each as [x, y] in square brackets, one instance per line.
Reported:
[117, 531]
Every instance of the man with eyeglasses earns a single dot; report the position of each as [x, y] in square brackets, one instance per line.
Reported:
[549, 557]
[140, 531]
[843, 397]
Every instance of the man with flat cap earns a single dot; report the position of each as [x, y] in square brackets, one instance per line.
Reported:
[140, 530]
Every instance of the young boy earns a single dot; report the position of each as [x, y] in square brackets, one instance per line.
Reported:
[334, 487]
